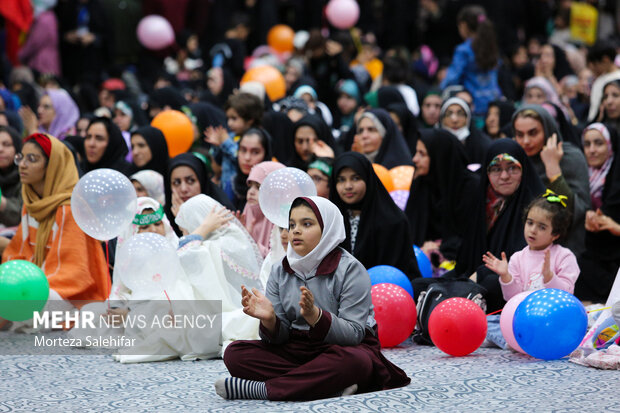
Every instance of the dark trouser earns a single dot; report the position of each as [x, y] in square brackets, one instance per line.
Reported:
[304, 370]
[596, 278]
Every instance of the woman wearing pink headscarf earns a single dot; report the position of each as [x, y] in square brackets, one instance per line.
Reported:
[255, 221]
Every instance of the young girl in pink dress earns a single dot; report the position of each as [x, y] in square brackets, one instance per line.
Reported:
[543, 263]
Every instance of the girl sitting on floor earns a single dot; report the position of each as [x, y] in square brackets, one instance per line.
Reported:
[317, 327]
[543, 263]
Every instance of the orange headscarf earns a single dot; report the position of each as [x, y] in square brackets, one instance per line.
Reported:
[61, 176]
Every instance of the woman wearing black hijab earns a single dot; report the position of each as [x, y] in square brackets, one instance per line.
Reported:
[385, 145]
[165, 98]
[280, 127]
[104, 147]
[188, 182]
[306, 132]
[497, 120]
[600, 261]
[11, 200]
[440, 200]
[149, 150]
[406, 123]
[496, 221]
[377, 230]
[253, 143]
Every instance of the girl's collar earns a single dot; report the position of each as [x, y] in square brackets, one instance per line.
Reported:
[327, 266]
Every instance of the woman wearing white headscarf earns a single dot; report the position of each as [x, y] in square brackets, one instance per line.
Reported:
[149, 183]
[455, 117]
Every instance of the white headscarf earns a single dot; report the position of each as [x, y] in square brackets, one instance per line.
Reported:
[333, 234]
[153, 182]
[119, 290]
[228, 253]
[463, 132]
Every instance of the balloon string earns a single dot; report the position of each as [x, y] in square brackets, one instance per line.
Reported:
[170, 302]
[107, 260]
[591, 311]
[599, 309]
[356, 39]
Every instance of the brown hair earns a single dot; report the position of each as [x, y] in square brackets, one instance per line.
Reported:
[484, 42]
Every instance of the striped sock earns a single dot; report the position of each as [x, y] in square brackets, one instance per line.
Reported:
[235, 388]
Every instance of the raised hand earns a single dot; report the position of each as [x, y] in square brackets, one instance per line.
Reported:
[499, 267]
[551, 155]
[309, 311]
[215, 220]
[322, 150]
[176, 202]
[29, 119]
[215, 135]
[256, 305]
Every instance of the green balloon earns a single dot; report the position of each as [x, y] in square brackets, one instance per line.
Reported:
[23, 290]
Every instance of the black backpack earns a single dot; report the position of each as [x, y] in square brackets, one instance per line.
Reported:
[439, 290]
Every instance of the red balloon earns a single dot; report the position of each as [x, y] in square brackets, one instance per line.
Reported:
[457, 326]
[395, 313]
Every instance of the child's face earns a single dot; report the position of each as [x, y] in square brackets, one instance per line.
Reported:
[538, 230]
[346, 104]
[236, 123]
[252, 195]
[156, 228]
[321, 181]
[284, 238]
[304, 230]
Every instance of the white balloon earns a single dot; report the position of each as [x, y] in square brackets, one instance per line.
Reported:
[279, 190]
[103, 203]
[148, 265]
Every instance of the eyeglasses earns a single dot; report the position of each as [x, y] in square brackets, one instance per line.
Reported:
[30, 158]
[497, 170]
[457, 113]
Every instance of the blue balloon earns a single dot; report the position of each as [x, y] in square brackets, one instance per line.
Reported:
[387, 274]
[549, 324]
[424, 264]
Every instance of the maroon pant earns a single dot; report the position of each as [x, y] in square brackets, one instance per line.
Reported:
[301, 369]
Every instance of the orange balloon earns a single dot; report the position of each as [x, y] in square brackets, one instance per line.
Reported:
[384, 176]
[402, 176]
[280, 38]
[270, 77]
[177, 129]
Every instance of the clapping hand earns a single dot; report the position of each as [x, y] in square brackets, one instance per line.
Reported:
[309, 311]
[499, 267]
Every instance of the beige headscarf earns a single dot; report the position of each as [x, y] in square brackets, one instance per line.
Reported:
[60, 177]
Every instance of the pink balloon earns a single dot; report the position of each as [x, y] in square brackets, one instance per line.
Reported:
[505, 320]
[342, 14]
[155, 32]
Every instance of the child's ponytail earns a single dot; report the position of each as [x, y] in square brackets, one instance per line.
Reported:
[484, 42]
